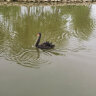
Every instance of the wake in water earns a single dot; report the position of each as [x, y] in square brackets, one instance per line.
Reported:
[34, 58]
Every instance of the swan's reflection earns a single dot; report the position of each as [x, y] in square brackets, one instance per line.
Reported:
[30, 58]
[35, 57]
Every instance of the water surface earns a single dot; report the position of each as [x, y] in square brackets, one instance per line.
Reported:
[67, 70]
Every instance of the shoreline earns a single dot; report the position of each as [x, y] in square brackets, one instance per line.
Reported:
[45, 3]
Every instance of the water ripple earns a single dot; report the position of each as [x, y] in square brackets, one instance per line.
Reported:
[30, 58]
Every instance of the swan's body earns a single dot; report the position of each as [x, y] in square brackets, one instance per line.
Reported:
[45, 45]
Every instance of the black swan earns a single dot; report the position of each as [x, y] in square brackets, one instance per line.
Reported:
[45, 45]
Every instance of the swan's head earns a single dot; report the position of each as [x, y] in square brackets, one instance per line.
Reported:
[39, 34]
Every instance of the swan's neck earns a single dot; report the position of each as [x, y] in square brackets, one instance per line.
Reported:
[38, 41]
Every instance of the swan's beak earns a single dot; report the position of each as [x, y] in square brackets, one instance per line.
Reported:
[37, 34]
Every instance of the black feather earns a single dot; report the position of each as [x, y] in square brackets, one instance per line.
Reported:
[45, 45]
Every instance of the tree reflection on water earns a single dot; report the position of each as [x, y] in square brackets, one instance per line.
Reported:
[19, 26]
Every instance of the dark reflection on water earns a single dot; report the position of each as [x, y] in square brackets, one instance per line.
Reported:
[29, 58]
[60, 25]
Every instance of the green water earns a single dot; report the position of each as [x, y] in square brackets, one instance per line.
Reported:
[67, 70]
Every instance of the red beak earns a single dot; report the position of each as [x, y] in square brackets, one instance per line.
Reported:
[37, 34]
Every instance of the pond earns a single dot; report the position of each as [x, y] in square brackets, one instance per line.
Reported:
[67, 70]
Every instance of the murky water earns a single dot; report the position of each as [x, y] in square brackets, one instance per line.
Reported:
[67, 70]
